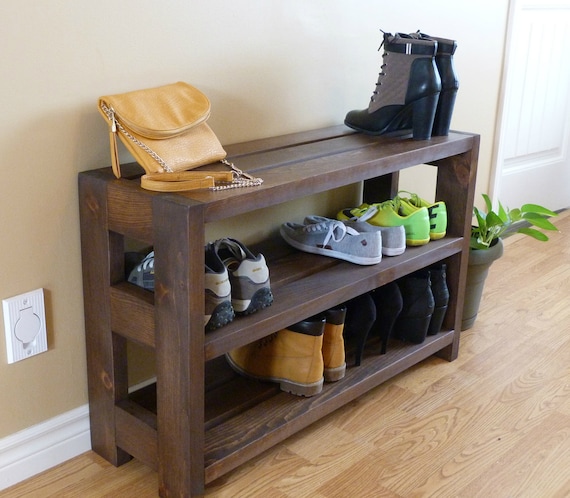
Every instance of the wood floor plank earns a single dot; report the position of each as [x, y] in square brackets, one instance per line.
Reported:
[529, 469]
[493, 423]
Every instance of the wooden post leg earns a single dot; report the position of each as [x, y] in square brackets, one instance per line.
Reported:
[456, 184]
[106, 357]
[381, 188]
[179, 316]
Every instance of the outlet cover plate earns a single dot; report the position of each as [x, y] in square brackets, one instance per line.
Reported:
[25, 325]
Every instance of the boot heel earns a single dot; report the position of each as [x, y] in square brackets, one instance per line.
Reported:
[441, 297]
[388, 301]
[360, 317]
[423, 116]
[413, 329]
[436, 320]
[445, 106]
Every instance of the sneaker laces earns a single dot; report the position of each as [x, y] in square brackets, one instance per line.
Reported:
[336, 230]
[393, 204]
[235, 255]
[413, 199]
[370, 211]
[147, 262]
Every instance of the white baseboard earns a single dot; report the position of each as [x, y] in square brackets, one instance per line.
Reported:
[43, 446]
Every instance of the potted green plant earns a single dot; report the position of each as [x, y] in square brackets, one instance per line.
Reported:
[486, 246]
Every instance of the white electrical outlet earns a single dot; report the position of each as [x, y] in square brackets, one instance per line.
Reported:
[25, 325]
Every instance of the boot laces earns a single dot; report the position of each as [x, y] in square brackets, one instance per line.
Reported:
[382, 73]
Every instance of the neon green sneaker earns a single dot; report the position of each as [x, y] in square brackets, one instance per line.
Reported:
[437, 212]
[389, 214]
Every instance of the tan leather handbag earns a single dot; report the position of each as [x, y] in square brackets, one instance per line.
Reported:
[165, 130]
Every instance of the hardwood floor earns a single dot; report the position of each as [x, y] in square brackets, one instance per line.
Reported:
[493, 423]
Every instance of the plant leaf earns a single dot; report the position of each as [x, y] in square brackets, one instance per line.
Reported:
[493, 220]
[535, 234]
[482, 225]
[538, 209]
[488, 203]
[539, 221]
[503, 214]
[474, 244]
[515, 215]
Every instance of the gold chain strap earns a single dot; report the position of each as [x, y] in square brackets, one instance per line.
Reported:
[116, 125]
[240, 179]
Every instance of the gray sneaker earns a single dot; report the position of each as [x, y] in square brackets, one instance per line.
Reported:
[335, 239]
[393, 238]
[249, 276]
[218, 310]
[143, 274]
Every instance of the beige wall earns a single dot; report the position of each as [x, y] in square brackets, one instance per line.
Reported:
[269, 67]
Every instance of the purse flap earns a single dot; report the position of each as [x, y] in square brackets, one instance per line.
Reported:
[160, 112]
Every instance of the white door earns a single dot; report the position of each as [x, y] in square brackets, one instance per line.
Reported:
[533, 150]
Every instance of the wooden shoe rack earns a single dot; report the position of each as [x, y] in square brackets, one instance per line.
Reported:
[199, 420]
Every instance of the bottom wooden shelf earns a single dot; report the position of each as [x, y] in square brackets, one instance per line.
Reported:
[244, 417]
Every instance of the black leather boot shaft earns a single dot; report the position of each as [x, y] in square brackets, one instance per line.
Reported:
[336, 316]
[449, 82]
[314, 326]
[418, 305]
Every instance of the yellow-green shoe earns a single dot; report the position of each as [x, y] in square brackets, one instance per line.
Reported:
[389, 214]
[437, 212]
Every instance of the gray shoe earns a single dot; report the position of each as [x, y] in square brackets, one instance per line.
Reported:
[393, 238]
[143, 274]
[218, 310]
[249, 276]
[335, 239]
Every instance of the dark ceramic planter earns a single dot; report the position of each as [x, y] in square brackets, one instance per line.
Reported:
[480, 260]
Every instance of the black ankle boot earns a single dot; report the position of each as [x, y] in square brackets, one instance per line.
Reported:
[407, 90]
[418, 305]
[360, 316]
[388, 301]
[449, 82]
[440, 295]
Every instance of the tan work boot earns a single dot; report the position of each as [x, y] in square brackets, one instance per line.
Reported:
[291, 357]
[333, 344]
